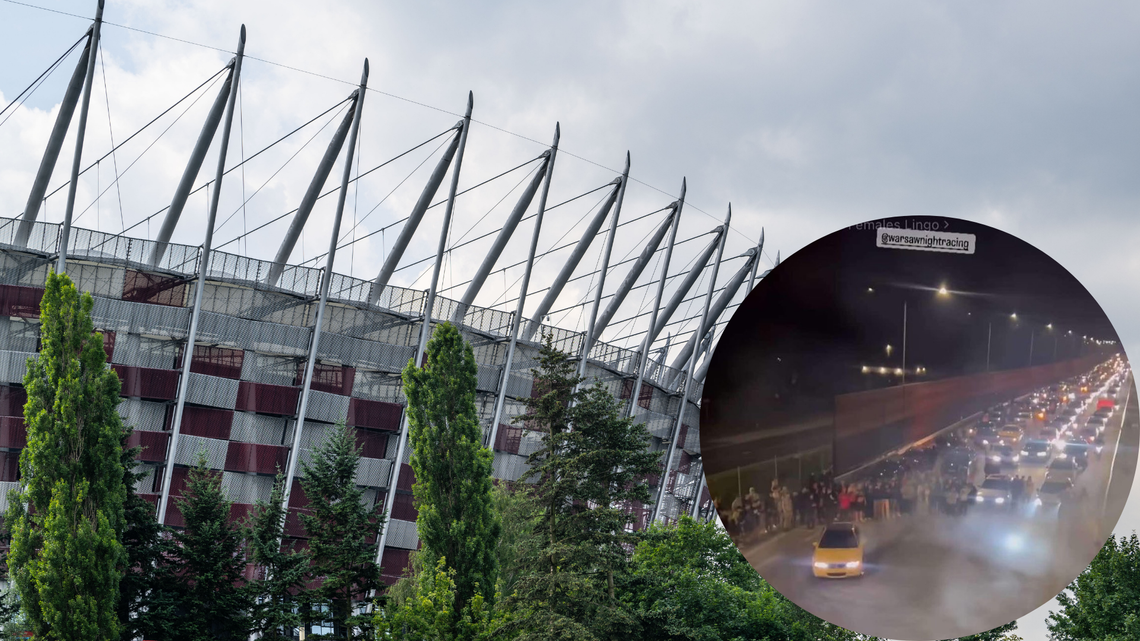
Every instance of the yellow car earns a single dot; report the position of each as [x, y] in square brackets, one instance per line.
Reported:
[1009, 435]
[838, 553]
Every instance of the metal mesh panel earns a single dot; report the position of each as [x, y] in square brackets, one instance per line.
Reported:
[13, 366]
[356, 291]
[273, 370]
[509, 467]
[363, 353]
[212, 391]
[378, 386]
[520, 386]
[248, 427]
[44, 237]
[272, 338]
[140, 318]
[487, 378]
[145, 485]
[402, 534]
[373, 472]
[109, 248]
[189, 446]
[485, 320]
[531, 443]
[326, 407]
[565, 340]
[144, 416]
[369, 497]
[255, 304]
[18, 334]
[99, 280]
[5, 487]
[372, 325]
[140, 351]
[692, 440]
[23, 269]
[241, 487]
[315, 433]
[243, 270]
[657, 424]
[618, 359]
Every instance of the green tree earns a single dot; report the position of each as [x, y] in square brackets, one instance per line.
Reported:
[207, 564]
[453, 470]
[277, 594]
[593, 460]
[141, 589]
[342, 535]
[429, 612]
[518, 542]
[1000, 633]
[66, 515]
[1103, 603]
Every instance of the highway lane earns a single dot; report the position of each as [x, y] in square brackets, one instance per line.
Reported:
[940, 576]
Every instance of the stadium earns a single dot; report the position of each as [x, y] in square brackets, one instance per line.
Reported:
[253, 360]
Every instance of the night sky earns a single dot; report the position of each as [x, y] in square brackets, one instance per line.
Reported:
[807, 329]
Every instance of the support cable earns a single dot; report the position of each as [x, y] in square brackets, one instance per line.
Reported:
[111, 132]
[31, 89]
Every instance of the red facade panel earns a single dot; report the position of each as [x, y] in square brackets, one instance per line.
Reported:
[297, 497]
[174, 515]
[12, 400]
[375, 414]
[13, 432]
[216, 361]
[109, 344]
[153, 445]
[372, 444]
[251, 457]
[22, 302]
[684, 462]
[140, 287]
[404, 507]
[508, 438]
[210, 422]
[267, 399]
[293, 525]
[239, 512]
[146, 382]
[395, 562]
[334, 379]
[407, 478]
[9, 466]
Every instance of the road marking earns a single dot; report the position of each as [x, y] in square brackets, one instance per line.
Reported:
[1115, 451]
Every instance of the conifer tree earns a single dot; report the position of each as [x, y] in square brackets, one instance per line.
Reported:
[208, 562]
[278, 593]
[66, 516]
[592, 462]
[342, 533]
[141, 589]
[453, 490]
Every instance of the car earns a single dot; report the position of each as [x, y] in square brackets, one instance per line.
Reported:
[1048, 434]
[838, 553]
[1088, 433]
[985, 437]
[1076, 449]
[1063, 467]
[1009, 435]
[1023, 417]
[1035, 452]
[1003, 455]
[995, 491]
[1053, 492]
[1098, 422]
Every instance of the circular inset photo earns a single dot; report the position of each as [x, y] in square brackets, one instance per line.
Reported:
[919, 428]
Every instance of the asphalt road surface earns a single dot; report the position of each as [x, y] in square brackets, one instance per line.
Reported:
[937, 577]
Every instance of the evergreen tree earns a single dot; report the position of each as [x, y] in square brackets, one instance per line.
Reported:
[208, 563]
[518, 542]
[453, 469]
[1103, 603]
[342, 535]
[140, 589]
[66, 516]
[593, 461]
[277, 594]
[1000, 633]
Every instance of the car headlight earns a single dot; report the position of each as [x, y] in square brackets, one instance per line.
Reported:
[995, 459]
[853, 564]
[999, 500]
[1042, 453]
[979, 499]
[821, 566]
[985, 442]
[1062, 456]
[1016, 458]
[1025, 452]
[1037, 502]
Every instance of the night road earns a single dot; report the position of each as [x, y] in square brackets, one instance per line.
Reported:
[934, 575]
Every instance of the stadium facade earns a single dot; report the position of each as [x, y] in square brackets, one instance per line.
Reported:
[220, 353]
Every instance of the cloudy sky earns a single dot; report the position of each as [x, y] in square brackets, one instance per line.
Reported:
[806, 116]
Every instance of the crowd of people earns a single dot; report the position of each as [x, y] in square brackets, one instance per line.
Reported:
[823, 499]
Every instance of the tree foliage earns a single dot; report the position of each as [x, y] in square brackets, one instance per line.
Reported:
[276, 594]
[67, 514]
[429, 613]
[592, 462]
[141, 589]
[207, 564]
[1103, 603]
[342, 531]
[453, 470]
